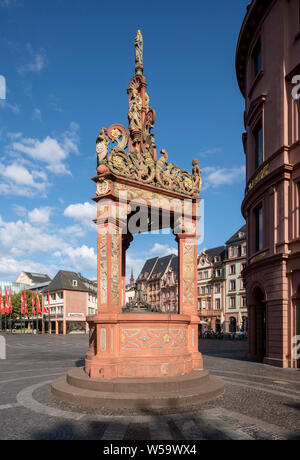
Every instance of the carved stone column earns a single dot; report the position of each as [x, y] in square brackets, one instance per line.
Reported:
[109, 259]
[187, 251]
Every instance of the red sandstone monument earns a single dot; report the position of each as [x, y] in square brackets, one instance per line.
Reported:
[140, 358]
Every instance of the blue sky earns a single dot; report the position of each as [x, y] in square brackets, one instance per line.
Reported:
[67, 65]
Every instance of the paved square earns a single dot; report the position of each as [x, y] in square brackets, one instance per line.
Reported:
[260, 402]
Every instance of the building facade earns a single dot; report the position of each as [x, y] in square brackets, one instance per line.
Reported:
[152, 281]
[16, 288]
[236, 316]
[268, 68]
[211, 289]
[31, 279]
[72, 299]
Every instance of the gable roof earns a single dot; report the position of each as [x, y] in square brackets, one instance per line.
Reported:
[38, 277]
[214, 252]
[236, 238]
[64, 280]
[148, 267]
[161, 266]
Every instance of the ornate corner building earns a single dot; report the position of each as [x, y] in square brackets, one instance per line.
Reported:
[222, 303]
[267, 64]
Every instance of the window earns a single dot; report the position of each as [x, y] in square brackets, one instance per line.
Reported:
[244, 301]
[60, 295]
[243, 266]
[218, 288]
[74, 283]
[208, 304]
[232, 269]
[206, 275]
[203, 290]
[244, 250]
[258, 145]
[208, 289]
[218, 304]
[218, 273]
[232, 302]
[232, 252]
[203, 304]
[243, 284]
[259, 229]
[200, 276]
[256, 55]
[232, 285]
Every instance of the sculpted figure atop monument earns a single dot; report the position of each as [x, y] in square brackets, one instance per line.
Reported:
[138, 53]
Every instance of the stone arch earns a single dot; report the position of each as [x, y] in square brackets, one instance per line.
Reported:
[257, 317]
[232, 324]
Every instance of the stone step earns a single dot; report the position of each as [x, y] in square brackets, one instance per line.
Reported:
[78, 378]
[210, 389]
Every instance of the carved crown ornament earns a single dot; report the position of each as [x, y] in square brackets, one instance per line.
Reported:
[132, 153]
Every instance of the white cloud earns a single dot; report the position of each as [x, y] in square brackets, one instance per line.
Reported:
[84, 212]
[36, 62]
[40, 215]
[21, 211]
[14, 135]
[37, 114]
[51, 151]
[209, 151]
[4, 104]
[24, 236]
[216, 177]
[7, 3]
[75, 231]
[80, 258]
[162, 250]
[19, 181]
[11, 267]
[55, 103]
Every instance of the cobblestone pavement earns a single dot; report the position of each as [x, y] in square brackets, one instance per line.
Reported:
[260, 402]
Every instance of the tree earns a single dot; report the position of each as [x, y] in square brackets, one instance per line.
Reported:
[16, 303]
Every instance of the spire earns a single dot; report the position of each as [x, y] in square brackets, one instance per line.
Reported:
[138, 43]
[132, 278]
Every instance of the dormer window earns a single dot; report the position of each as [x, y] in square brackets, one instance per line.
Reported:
[74, 283]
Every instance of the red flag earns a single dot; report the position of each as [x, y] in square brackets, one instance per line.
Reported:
[22, 304]
[48, 303]
[10, 301]
[1, 304]
[33, 303]
[25, 304]
[43, 303]
[7, 306]
[38, 307]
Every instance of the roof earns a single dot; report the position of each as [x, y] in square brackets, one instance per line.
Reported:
[38, 277]
[161, 266]
[41, 286]
[148, 267]
[236, 238]
[255, 13]
[64, 280]
[214, 252]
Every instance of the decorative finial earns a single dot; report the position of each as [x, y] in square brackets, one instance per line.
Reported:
[138, 43]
